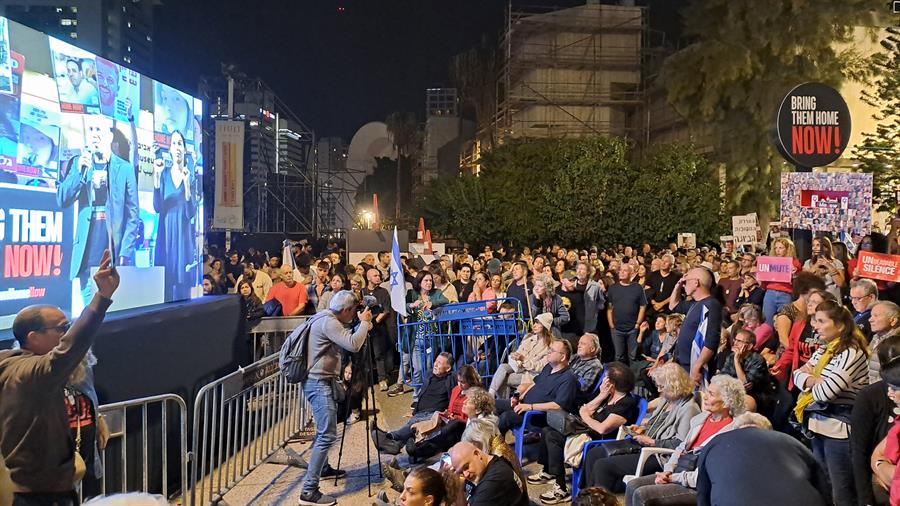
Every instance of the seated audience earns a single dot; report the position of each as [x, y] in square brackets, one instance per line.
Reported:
[435, 397]
[490, 480]
[666, 427]
[586, 367]
[722, 401]
[289, 293]
[529, 358]
[554, 388]
[749, 367]
[613, 407]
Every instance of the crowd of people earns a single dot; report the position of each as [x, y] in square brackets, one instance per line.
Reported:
[704, 385]
[801, 370]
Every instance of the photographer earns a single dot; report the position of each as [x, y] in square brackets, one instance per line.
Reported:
[330, 332]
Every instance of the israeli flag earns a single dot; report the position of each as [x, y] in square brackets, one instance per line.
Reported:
[398, 283]
[697, 343]
[287, 258]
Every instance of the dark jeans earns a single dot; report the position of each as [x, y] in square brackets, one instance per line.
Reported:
[60, 499]
[607, 471]
[381, 351]
[834, 455]
[551, 454]
[448, 435]
[508, 419]
[626, 345]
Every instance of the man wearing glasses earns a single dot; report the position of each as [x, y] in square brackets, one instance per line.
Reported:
[863, 296]
[34, 428]
[698, 339]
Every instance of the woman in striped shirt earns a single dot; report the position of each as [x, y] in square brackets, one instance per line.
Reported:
[830, 381]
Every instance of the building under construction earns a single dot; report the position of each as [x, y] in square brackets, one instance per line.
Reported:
[570, 72]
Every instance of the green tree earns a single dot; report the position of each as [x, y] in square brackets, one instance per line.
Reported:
[403, 129]
[745, 56]
[578, 192]
[879, 152]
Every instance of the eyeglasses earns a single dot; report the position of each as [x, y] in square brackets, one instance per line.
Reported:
[62, 327]
[854, 299]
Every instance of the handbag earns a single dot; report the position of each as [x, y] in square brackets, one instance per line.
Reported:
[687, 462]
[621, 447]
[80, 466]
[338, 391]
[573, 451]
[565, 423]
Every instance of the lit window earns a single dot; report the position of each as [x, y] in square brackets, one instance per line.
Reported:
[65, 22]
[59, 9]
[74, 35]
[149, 39]
[74, 9]
[129, 49]
[127, 59]
[129, 24]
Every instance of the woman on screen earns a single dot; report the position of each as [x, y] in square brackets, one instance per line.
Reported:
[175, 199]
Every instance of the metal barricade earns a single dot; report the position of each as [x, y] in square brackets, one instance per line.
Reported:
[268, 334]
[117, 416]
[240, 421]
[475, 333]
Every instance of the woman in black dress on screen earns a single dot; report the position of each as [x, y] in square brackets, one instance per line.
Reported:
[175, 200]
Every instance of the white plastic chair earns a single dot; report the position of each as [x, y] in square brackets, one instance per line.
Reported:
[646, 453]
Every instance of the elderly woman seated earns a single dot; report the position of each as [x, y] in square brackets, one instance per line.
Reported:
[666, 427]
[528, 359]
[675, 485]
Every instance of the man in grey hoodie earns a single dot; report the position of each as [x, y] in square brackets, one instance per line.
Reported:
[331, 331]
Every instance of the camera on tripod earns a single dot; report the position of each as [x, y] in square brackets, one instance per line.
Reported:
[371, 303]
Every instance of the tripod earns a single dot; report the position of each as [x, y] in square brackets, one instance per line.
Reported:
[368, 373]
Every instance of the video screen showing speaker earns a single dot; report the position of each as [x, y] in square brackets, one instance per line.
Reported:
[94, 156]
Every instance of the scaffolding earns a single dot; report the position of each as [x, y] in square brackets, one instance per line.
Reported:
[571, 72]
[281, 177]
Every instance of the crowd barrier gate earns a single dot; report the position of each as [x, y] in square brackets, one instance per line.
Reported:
[117, 414]
[239, 421]
[268, 333]
[464, 329]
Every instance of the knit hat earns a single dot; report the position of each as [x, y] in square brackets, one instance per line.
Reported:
[545, 319]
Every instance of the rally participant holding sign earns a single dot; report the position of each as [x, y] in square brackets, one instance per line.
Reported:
[778, 293]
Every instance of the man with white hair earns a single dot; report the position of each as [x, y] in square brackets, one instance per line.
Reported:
[884, 320]
[863, 297]
[330, 332]
[586, 366]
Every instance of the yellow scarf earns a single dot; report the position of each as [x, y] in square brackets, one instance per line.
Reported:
[806, 398]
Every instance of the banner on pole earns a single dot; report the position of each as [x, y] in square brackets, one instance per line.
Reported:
[744, 229]
[228, 212]
[777, 269]
[879, 266]
[687, 240]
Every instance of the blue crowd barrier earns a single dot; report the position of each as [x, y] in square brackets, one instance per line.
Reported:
[475, 333]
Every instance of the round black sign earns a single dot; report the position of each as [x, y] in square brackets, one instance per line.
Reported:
[813, 125]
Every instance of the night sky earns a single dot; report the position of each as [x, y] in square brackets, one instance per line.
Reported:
[336, 64]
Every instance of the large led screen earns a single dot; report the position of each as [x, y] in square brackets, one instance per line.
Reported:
[93, 156]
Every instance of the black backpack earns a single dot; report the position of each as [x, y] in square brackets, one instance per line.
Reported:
[294, 356]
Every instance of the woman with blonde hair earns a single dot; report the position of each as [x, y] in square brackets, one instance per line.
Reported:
[666, 427]
[779, 293]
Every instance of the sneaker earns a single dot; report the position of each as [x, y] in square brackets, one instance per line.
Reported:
[353, 418]
[384, 386]
[556, 495]
[330, 472]
[382, 496]
[541, 477]
[396, 390]
[394, 474]
[316, 498]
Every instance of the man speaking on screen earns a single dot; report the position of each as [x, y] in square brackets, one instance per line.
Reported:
[105, 188]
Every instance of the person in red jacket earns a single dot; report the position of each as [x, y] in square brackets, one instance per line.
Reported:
[803, 340]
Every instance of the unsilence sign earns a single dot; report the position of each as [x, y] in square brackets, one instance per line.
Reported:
[813, 125]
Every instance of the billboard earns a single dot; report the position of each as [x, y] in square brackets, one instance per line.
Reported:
[830, 202]
[94, 156]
